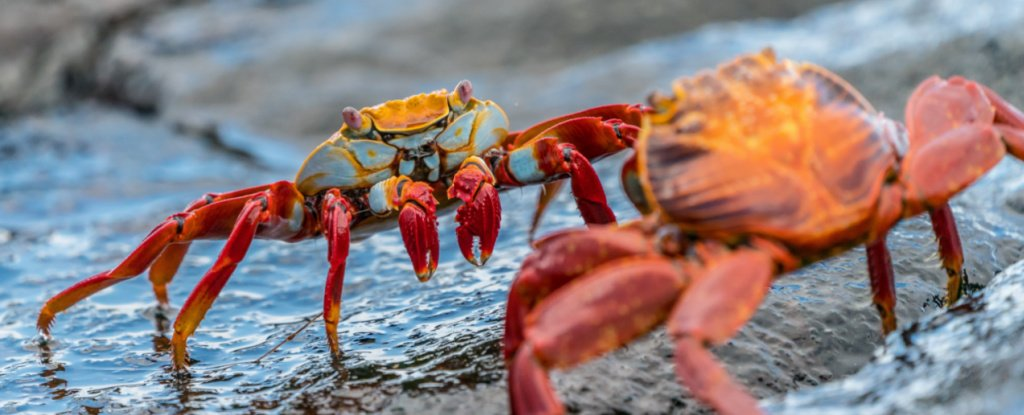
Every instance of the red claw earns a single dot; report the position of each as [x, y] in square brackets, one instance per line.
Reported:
[479, 217]
[418, 224]
[419, 232]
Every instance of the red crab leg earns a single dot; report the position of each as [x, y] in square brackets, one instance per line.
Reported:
[883, 288]
[548, 268]
[600, 312]
[547, 193]
[274, 212]
[166, 265]
[335, 223]
[209, 287]
[593, 134]
[480, 215]
[213, 220]
[546, 159]
[712, 310]
[950, 250]
[597, 132]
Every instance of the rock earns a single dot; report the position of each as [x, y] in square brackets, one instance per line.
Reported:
[51, 51]
[965, 361]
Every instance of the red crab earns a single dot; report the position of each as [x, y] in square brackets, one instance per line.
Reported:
[744, 174]
[404, 158]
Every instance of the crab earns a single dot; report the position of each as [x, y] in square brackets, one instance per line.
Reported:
[403, 159]
[743, 174]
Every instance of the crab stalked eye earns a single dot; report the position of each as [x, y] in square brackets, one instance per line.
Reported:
[461, 95]
[353, 119]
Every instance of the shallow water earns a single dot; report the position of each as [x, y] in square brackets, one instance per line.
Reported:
[81, 186]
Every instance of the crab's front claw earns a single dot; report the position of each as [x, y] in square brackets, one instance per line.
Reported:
[418, 224]
[479, 217]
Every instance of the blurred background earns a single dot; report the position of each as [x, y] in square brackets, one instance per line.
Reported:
[117, 113]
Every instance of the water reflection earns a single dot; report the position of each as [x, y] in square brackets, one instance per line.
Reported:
[56, 385]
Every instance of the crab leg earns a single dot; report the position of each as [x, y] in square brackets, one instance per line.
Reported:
[592, 134]
[166, 265]
[417, 219]
[208, 221]
[480, 215]
[598, 132]
[548, 192]
[883, 288]
[209, 287]
[595, 314]
[713, 309]
[546, 159]
[336, 220]
[278, 213]
[547, 269]
[950, 250]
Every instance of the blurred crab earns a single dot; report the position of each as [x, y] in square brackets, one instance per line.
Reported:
[404, 158]
[744, 174]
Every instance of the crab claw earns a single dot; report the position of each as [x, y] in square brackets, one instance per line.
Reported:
[418, 224]
[479, 217]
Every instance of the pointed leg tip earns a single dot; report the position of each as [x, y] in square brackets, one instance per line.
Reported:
[179, 353]
[44, 322]
[161, 296]
[332, 343]
[888, 326]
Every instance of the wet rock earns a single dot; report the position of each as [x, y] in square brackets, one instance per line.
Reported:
[52, 50]
[965, 361]
[243, 63]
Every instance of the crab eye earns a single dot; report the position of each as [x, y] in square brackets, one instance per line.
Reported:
[353, 119]
[461, 96]
[465, 90]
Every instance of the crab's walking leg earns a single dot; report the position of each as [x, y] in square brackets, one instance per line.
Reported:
[545, 160]
[166, 265]
[718, 303]
[209, 287]
[336, 220]
[548, 268]
[565, 146]
[950, 250]
[209, 221]
[883, 288]
[479, 217]
[547, 193]
[595, 314]
[417, 219]
[281, 212]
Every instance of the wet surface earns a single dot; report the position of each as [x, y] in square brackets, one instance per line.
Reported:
[81, 183]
